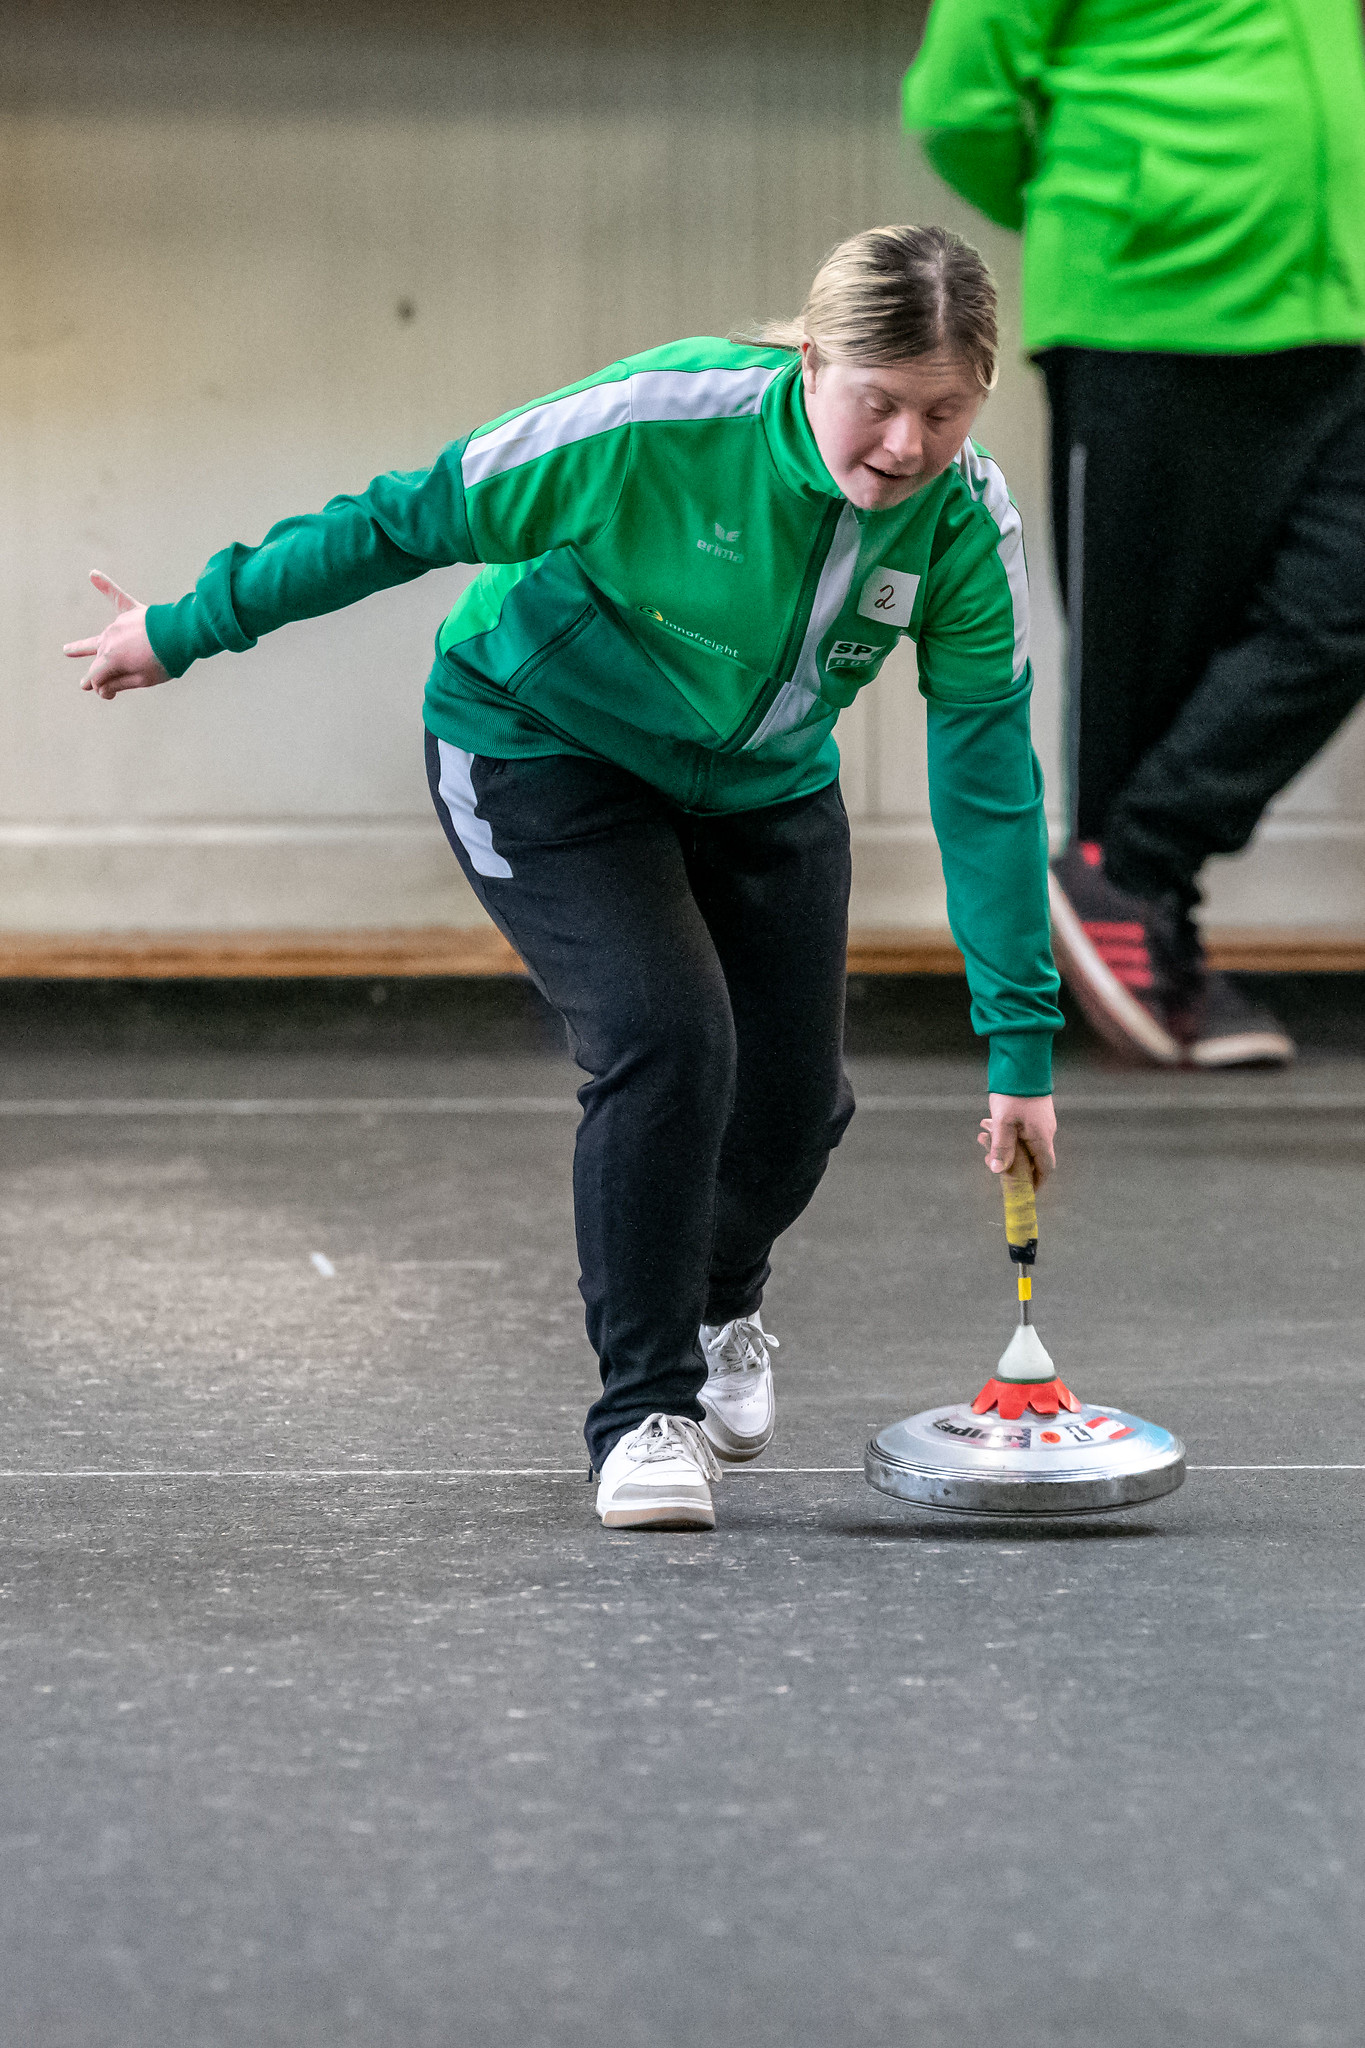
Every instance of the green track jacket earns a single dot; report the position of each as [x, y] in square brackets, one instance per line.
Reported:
[1191, 173]
[675, 583]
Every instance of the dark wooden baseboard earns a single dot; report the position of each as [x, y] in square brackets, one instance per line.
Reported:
[902, 952]
[273, 956]
[445, 949]
[1288, 952]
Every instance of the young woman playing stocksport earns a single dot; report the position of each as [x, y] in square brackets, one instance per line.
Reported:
[692, 562]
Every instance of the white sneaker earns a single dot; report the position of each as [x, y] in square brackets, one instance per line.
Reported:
[741, 1413]
[656, 1478]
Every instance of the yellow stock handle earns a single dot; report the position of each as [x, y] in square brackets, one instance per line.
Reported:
[1021, 1208]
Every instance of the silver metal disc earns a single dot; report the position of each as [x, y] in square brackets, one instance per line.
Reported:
[1077, 1464]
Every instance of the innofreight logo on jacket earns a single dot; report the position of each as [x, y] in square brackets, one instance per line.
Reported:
[723, 545]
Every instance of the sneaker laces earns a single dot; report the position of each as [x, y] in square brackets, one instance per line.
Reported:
[740, 1346]
[672, 1436]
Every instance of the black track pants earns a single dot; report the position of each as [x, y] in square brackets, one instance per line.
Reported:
[699, 965]
[1209, 517]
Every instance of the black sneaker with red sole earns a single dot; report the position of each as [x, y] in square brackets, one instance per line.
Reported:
[1100, 941]
[1137, 970]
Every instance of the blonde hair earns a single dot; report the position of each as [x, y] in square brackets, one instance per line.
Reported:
[891, 293]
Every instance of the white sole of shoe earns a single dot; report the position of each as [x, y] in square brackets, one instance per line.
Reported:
[661, 1514]
[1114, 1011]
[735, 1450]
[1244, 1049]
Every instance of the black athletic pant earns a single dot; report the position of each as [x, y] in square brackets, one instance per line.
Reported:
[699, 964]
[1209, 518]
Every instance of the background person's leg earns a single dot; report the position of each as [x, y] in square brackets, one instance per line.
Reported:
[1174, 481]
[579, 863]
[1265, 704]
[1172, 476]
[773, 887]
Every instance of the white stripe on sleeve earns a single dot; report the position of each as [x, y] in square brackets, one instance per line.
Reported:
[699, 394]
[533, 433]
[986, 481]
[715, 394]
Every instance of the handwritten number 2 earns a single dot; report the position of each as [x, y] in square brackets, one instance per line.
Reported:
[886, 598]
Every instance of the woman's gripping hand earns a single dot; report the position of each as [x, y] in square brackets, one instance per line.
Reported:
[1027, 1120]
[123, 657]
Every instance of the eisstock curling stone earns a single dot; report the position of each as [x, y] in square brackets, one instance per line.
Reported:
[1025, 1445]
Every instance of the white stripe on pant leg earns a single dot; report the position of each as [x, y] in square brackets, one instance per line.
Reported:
[457, 794]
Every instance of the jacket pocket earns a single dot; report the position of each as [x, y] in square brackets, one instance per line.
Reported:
[521, 679]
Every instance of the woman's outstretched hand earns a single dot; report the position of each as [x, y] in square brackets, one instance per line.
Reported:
[123, 654]
[1027, 1120]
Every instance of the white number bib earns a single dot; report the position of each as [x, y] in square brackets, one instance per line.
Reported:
[889, 596]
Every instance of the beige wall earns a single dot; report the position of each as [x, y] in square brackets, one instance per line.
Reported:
[213, 227]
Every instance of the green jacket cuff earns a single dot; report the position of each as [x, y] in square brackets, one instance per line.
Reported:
[179, 635]
[203, 623]
[1020, 1063]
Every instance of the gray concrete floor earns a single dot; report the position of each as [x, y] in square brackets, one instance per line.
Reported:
[323, 1720]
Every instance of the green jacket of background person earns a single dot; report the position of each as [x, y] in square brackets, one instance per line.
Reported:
[1191, 173]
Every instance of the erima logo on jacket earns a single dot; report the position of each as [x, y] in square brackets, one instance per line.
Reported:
[723, 544]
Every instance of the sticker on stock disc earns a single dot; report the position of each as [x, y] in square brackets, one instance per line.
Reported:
[1097, 1426]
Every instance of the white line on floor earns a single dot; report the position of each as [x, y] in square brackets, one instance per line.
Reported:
[366, 1472]
[510, 1471]
[1147, 1101]
[292, 1105]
